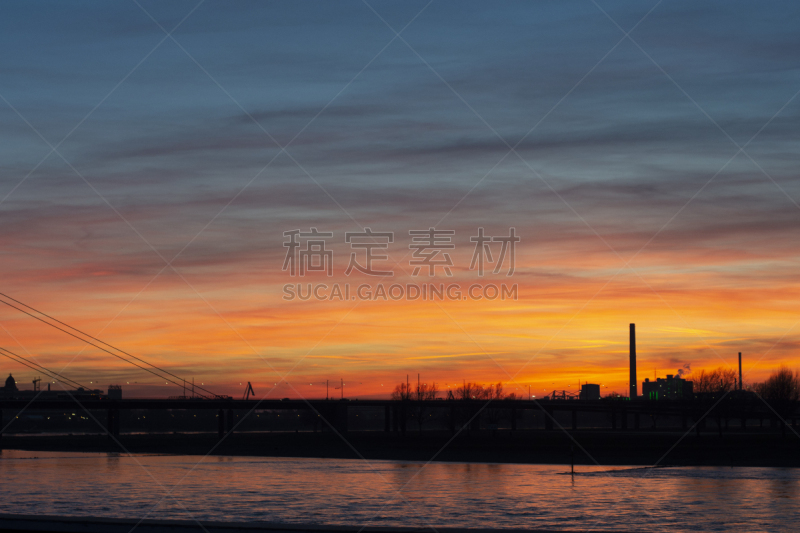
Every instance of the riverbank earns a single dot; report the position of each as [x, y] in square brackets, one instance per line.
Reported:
[764, 449]
[51, 524]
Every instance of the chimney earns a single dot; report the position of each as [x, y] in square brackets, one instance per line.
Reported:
[740, 370]
[633, 393]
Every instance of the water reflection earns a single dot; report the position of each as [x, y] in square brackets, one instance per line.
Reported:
[395, 493]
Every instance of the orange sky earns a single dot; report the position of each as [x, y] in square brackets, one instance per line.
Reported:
[566, 327]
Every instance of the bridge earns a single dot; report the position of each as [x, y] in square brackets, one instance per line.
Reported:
[624, 414]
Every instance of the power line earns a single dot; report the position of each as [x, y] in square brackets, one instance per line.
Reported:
[181, 384]
[50, 373]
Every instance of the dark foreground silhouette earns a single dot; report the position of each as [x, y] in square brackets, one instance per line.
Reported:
[48, 524]
[668, 448]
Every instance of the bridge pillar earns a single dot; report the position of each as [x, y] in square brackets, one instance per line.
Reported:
[221, 423]
[613, 419]
[574, 420]
[513, 419]
[475, 422]
[548, 419]
[636, 421]
[387, 418]
[624, 419]
[229, 420]
[112, 424]
[340, 418]
[395, 418]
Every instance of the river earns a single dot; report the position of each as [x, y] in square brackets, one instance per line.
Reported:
[382, 493]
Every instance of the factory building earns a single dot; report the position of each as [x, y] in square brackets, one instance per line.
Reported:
[669, 388]
[590, 391]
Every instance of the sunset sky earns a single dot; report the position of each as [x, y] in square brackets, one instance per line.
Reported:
[144, 192]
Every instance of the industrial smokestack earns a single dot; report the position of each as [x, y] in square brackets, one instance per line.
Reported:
[740, 370]
[633, 393]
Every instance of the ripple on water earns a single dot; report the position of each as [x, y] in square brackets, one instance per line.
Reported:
[386, 493]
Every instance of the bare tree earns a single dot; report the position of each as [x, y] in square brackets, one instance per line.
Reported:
[469, 391]
[401, 392]
[712, 387]
[782, 392]
[419, 394]
[493, 392]
[425, 392]
[719, 380]
[476, 391]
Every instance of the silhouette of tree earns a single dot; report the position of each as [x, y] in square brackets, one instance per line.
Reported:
[493, 392]
[782, 392]
[401, 392]
[469, 391]
[710, 388]
[476, 391]
[418, 394]
[719, 380]
[425, 392]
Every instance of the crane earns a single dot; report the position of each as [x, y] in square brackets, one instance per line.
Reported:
[248, 391]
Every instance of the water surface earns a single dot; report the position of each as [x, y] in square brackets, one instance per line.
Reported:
[355, 492]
